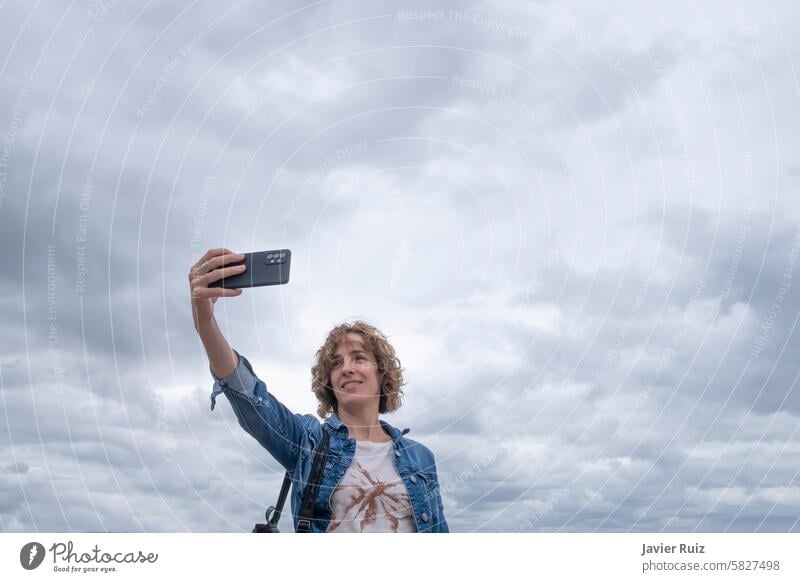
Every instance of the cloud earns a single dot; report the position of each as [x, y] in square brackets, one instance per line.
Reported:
[574, 225]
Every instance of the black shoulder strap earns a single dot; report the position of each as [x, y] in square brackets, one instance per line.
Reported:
[274, 513]
[312, 487]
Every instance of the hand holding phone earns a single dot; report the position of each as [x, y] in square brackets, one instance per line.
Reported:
[260, 269]
[213, 265]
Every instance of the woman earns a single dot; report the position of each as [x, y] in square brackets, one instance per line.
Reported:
[374, 478]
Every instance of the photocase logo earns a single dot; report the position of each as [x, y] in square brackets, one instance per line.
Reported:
[31, 555]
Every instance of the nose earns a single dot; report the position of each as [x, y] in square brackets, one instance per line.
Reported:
[347, 366]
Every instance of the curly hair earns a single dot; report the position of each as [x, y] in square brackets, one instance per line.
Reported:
[388, 364]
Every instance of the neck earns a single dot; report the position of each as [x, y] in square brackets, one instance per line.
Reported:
[362, 424]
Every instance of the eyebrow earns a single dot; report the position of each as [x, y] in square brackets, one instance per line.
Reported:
[356, 351]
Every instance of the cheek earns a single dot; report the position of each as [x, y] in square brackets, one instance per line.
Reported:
[373, 372]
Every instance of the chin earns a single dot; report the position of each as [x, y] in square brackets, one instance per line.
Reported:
[355, 399]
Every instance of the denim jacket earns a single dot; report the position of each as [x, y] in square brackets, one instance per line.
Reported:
[291, 439]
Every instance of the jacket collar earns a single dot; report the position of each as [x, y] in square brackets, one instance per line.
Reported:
[336, 424]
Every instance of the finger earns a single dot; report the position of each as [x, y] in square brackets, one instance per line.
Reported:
[214, 292]
[218, 261]
[218, 274]
[221, 261]
[211, 253]
[208, 254]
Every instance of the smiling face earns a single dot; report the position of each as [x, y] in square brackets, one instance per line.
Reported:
[355, 379]
[378, 366]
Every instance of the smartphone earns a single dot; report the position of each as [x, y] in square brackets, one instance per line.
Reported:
[262, 268]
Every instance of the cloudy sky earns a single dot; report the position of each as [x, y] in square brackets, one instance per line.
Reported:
[577, 223]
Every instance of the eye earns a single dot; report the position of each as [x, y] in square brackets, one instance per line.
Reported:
[335, 363]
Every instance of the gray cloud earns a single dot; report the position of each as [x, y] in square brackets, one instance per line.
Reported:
[574, 225]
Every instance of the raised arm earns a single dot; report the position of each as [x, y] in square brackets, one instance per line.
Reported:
[259, 413]
[212, 267]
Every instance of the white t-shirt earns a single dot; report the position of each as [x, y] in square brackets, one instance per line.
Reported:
[371, 497]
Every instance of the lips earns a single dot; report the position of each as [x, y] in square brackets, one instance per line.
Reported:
[350, 384]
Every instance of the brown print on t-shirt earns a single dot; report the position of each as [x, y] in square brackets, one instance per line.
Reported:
[369, 496]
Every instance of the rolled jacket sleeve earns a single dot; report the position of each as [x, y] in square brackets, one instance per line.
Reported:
[242, 380]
